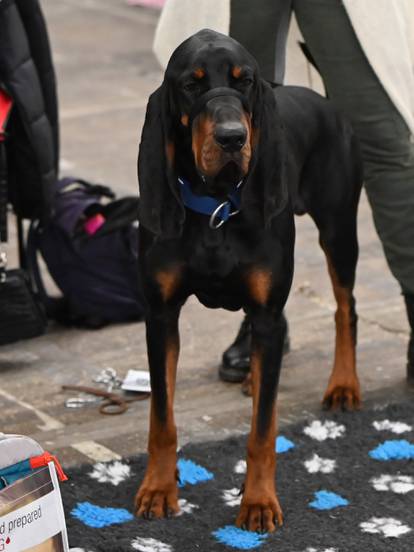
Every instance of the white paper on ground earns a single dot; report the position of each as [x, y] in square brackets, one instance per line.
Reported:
[137, 380]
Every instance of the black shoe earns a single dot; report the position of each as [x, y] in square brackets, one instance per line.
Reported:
[236, 358]
[409, 303]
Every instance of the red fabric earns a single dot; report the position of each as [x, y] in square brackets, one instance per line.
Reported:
[43, 460]
[5, 108]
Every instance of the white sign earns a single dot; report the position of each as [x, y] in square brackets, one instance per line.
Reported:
[36, 522]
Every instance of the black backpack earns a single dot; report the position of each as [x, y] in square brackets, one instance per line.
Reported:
[91, 250]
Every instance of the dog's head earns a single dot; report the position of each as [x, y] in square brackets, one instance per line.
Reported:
[213, 121]
[214, 82]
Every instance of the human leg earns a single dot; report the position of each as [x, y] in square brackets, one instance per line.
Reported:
[262, 28]
[387, 147]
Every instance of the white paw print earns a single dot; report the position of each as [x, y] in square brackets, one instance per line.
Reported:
[324, 430]
[400, 484]
[150, 545]
[232, 497]
[240, 467]
[317, 464]
[389, 527]
[186, 507]
[395, 427]
[113, 472]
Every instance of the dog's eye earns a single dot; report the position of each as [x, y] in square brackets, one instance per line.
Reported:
[190, 86]
[243, 82]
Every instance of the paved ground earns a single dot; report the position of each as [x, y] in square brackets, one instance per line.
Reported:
[102, 51]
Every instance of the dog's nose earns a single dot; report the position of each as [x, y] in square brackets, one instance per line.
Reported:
[231, 137]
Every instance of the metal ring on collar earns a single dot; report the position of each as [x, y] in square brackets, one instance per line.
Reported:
[212, 221]
[234, 213]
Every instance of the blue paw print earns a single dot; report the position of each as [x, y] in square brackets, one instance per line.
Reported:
[283, 444]
[238, 538]
[325, 500]
[192, 473]
[97, 517]
[393, 450]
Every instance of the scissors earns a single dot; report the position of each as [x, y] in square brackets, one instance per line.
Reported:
[113, 403]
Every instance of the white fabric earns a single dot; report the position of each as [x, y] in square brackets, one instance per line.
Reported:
[385, 30]
[182, 18]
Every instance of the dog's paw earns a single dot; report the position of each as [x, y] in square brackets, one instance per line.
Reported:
[260, 517]
[346, 396]
[156, 501]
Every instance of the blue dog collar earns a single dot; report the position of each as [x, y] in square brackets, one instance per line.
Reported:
[219, 211]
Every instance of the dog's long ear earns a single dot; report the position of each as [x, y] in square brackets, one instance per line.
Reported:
[161, 210]
[265, 192]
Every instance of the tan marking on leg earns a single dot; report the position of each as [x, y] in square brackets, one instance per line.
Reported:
[168, 281]
[173, 349]
[260, 507]
[259, 284]
[343, 388]
[158, 493]
[184, 119]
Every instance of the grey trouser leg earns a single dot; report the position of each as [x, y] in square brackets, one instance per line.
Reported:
[262, 27]
[387, 146]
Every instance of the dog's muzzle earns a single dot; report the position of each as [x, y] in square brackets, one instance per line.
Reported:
[214, 93]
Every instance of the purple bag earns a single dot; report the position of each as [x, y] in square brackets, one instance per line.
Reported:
[91, 250]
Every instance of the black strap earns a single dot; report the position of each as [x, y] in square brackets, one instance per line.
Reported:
[33, 265]
[53, 305]
[70, 183]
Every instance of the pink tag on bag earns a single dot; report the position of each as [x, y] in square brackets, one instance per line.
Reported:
[93, 224]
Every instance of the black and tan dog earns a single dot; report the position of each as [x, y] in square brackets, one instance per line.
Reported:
[225, 160]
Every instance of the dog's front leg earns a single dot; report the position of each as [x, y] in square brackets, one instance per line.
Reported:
[260, 507]
[158, 494]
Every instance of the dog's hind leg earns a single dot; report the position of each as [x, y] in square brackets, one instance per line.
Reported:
[338, 239]
[158, 494]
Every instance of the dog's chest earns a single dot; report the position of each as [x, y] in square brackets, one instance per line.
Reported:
[213, 261]
[214, 264]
